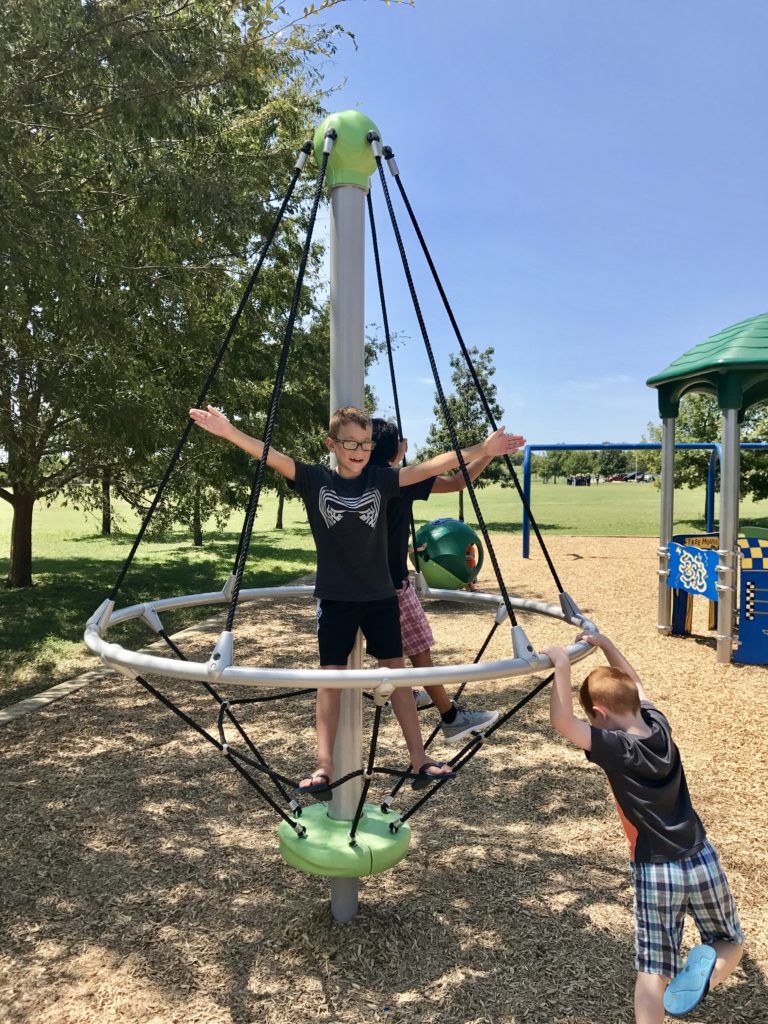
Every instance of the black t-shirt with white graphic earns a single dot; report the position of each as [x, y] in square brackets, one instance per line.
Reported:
[348, 519]
[649, 786]
[399, 518]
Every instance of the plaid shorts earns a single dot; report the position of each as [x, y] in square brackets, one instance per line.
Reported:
[414, 624]
[663, 893]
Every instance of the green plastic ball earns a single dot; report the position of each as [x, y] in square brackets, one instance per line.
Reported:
[452, 554]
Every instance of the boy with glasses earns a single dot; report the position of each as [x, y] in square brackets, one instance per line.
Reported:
[346, 508]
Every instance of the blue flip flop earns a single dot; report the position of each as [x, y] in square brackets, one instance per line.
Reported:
[688, 988]
[425, 778]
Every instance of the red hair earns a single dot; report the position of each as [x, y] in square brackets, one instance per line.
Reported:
[611, 689]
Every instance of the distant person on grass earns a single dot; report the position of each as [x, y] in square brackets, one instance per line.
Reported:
[675, 868]
[346, 508]
[456, 721]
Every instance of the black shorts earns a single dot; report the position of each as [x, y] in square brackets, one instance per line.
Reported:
[339, 621]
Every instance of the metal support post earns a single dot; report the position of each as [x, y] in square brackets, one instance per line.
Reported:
[729, 529]
[666, 521]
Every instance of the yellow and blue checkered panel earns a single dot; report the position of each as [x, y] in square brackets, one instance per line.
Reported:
[754, 553]
[752, 648]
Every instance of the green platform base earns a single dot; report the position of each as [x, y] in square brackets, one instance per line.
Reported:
[325, 849]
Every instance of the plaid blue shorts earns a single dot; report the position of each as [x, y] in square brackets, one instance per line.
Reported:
[663, 894]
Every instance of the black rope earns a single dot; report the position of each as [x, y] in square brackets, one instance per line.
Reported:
[367, 775]
[305, 149]
[389, 155]
[224, 709]
[390, 355]
[430, 739]
[230, 756]
[471, 748]
[478, 656]
[261, 765]
[441, 398]
[275, 398]
[271, 697]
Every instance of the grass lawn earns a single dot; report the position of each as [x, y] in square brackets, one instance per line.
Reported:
[75, 568]
[606, 510]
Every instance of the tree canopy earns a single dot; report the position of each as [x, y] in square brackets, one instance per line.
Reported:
[700, 420]
[467, 413]
[145, 144]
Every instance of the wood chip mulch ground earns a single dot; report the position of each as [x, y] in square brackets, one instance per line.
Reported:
[142, 883]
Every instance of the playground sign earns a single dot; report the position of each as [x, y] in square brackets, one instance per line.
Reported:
[693, 563]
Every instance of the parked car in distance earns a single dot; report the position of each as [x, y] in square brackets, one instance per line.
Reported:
[614, 477]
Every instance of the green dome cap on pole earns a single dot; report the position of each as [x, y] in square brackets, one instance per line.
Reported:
[351, 161]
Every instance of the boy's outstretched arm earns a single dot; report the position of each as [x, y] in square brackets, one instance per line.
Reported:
[615, 658]
[450, 484]
[497, 443]
[561, 716]
[215, 422]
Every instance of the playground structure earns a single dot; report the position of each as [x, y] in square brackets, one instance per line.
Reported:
[351, 838]
[693, 564]
[732, 366]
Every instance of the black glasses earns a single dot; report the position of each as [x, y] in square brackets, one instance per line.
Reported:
[352, 446]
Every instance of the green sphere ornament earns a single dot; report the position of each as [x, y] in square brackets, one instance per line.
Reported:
[351, 161]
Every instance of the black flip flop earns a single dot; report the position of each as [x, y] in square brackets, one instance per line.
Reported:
[426, 778]
[318, 790]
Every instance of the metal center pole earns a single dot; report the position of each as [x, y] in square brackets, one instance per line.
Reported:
[347, 261]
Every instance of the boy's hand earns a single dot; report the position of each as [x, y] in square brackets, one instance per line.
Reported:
[212, 420]
[595, 640]
[499, 443]
[556, 654]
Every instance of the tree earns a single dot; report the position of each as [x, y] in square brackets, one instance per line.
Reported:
[700, 420]
[468, 414]
[754, 469]
[552, 464]
[144, 144]
[611, 461]
[579, 463]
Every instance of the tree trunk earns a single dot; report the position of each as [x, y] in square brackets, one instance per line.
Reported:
[197, 525]
[280, 503]
[20, 562]
[461, 506]
[106, 503]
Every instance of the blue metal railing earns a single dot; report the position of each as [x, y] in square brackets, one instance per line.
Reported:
[713, 447]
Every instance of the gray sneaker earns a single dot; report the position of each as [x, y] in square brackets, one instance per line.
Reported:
[467, 722]
[422, 698]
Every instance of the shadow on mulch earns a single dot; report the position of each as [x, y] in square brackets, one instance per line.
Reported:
[142, 881]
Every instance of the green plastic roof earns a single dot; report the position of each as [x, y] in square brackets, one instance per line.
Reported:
[732, 366]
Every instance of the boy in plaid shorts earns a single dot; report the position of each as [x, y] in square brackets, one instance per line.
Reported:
[456, 722]
[674, 866]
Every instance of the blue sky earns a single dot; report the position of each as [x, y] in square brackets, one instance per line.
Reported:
[591, 178]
